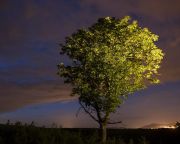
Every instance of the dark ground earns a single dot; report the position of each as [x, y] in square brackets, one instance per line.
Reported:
[30, 134]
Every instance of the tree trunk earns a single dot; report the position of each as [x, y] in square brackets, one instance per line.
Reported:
[103, 133]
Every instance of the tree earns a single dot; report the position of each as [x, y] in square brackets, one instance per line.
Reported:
[177, 125]
[110, 60]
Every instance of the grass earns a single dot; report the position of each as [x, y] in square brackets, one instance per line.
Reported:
[30, 134]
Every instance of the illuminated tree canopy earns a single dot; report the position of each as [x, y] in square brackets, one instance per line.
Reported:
[110, 60]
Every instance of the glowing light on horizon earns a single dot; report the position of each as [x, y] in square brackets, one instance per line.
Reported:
[170, 127]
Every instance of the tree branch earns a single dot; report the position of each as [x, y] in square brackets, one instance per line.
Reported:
[88, 112]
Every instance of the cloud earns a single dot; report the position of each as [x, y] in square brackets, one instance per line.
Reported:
[170, 70]
[13, 96]
[61, 113]
[161, 9]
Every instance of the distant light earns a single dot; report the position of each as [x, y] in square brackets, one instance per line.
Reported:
[164, 126]
[170, 127]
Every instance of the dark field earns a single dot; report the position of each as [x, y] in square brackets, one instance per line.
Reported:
[29, 134]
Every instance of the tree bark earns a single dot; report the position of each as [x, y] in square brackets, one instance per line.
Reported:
[103, 133]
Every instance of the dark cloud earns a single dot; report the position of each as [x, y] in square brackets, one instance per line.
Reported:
[161, 9]
[13, 96]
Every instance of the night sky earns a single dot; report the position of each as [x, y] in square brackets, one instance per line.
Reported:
[30, 32]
